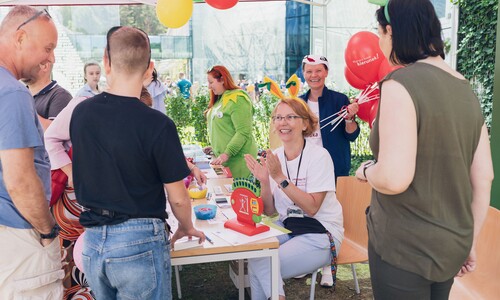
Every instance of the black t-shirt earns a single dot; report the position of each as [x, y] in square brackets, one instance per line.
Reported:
[123, 153]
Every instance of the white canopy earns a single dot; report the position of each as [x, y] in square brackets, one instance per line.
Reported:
[88, 2]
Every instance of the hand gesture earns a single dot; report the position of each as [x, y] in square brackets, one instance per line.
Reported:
[273, 165]
[258, 170]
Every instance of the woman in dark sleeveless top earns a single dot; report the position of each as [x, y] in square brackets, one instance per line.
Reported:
[433, 171]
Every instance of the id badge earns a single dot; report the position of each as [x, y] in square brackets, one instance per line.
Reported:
[294, 212]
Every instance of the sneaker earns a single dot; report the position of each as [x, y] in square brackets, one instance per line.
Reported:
[326, 277]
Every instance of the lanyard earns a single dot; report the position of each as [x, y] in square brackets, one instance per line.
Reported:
[298, 167]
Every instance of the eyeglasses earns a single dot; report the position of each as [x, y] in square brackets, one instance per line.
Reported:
[113, 30]
[34, 17]
[288, 118]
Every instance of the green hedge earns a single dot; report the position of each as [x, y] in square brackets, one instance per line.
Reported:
[188, 115]
[476, 48]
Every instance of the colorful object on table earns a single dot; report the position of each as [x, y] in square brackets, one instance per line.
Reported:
[248, 206]
[187, 180]
[77, 252]
[197, 192]
[363, 55]
[205, 211]
[174, 13]
[222, 4]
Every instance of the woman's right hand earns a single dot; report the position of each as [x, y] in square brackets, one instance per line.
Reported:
[258, 170]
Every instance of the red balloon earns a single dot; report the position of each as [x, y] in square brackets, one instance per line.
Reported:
[221, 4]
[373, 113]
[364, 111]
[365, 107]
[386, 68]
[363, 55]
[355, 81]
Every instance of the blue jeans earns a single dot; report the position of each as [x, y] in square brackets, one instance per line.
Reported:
[130, 260]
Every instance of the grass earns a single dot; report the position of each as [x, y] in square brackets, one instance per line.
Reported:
[212, 281]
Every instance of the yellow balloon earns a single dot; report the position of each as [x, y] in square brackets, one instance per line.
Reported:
[174, 13]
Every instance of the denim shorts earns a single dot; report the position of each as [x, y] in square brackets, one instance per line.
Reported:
[130, 260]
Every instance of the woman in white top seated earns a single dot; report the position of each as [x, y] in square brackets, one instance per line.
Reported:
[297, 183]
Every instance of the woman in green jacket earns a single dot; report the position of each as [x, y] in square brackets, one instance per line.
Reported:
[230, 122]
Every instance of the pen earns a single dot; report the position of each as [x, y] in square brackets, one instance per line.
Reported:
[208, 239]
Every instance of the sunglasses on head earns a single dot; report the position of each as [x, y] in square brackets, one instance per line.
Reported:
[113, 30]
[34, 17]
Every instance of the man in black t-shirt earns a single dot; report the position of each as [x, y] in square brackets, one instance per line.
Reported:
[124, 155]
[50, 97]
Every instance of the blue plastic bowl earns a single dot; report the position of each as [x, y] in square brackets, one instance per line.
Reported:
[205, 211]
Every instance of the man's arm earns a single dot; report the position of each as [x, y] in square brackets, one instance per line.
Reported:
[181, 207]
[25, 188]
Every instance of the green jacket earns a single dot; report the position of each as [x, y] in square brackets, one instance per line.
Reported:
[230, 129]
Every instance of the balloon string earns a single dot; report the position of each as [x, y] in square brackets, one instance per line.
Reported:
[367, 99]
[340, 121]
[337, 120]
[337, 113]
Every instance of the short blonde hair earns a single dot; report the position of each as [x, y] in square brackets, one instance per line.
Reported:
[302, 110]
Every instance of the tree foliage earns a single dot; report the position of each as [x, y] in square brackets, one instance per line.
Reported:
[188, 116]
[143, 17]
[476, 48]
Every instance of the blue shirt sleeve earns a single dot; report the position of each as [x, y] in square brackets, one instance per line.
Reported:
[19, 127]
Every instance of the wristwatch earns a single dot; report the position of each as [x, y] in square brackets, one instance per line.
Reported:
[52, 234]
[284, 184]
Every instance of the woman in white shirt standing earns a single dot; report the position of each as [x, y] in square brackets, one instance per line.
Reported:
[296, 183]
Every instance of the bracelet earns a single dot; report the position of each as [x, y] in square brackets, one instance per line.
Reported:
[349, 120]
[366, 166]
[192, 168]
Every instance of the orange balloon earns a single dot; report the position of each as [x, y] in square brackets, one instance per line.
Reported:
[174, 13]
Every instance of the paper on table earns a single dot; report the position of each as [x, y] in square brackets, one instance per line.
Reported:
[186, 243]
[235, 238]
[210, 173]
[229, 187]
